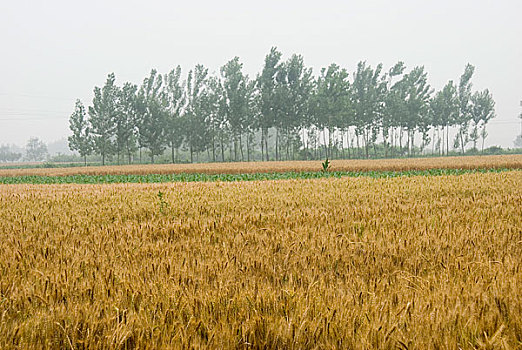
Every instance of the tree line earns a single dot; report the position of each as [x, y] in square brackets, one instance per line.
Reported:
[35, 150]
[285, 112]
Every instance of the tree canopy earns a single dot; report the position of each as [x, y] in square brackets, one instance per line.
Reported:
[284, 112]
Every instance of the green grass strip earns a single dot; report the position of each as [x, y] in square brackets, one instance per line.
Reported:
[186, 177]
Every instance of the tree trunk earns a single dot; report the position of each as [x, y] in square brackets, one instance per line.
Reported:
[348, 143]
[447, 140]
[262, 144]
[413, 143]
[266, 145]
[248, 147]
[325, 144]
[366, 144]
[400, 141]
[222, 144]
[235, 148]
[475, 138]
[213, 148]
[433, 142]
[241, 148]
[384, 143]
[277, 144]
[286, 138]
[358, 144]
[461, 141]
[305, 148]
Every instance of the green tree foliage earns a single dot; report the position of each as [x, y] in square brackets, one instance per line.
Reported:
[196, 129]
[417, 98]
[237, 96]
[266, 84]
[331, 103]
[482, 111]
[517, 143]
[294, 89]
[217, 125]
[81, 140]
[368, 99]
[285, 113]
[7, 155]
[394, 108]
[103, 115]
[174, 93]
[153, 116]
[464, 100]
[126, 121]
[445, 110]
[35, 150]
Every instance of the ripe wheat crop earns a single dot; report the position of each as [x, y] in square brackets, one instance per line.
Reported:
[468, 162]
[410, 262]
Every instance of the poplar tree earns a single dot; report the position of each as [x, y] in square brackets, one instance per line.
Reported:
[174, 92]
[102, 117]
[294, 91]
[196, 129]
[482, 111]
[126, 121]
[417, 99]
[237, 102]
[368, 97]
[81, 140]
[331, 102]
[445, 110]
[151, 124]
[464, 99]
[266, 85]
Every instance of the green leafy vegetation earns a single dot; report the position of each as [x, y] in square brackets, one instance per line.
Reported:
[162, 202]
[186, 177]
[326, 165]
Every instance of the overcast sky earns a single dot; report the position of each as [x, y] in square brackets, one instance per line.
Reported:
[53, 52]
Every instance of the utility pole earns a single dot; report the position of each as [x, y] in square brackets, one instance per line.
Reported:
[520, 116]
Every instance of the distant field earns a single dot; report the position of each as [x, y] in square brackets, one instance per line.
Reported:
[469, 162]
[357, 263]
[20, 164]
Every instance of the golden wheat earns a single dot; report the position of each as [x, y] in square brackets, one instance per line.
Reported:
[469, 162]
[419, 262]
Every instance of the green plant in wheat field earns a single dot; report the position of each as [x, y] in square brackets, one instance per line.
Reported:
[162, 203]
[326, 165]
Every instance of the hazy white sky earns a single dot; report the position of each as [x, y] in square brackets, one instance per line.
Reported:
[54, 51]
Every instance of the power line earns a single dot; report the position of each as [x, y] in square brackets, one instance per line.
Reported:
[502, 122]
[39, 119]
[36, 96]
[31, 113]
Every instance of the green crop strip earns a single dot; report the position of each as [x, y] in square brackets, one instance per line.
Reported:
[186, 177]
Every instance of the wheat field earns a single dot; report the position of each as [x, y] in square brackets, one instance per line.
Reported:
[399, 263]
[467, 162]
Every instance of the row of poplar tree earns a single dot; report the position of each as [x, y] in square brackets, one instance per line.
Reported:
[284, 113]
